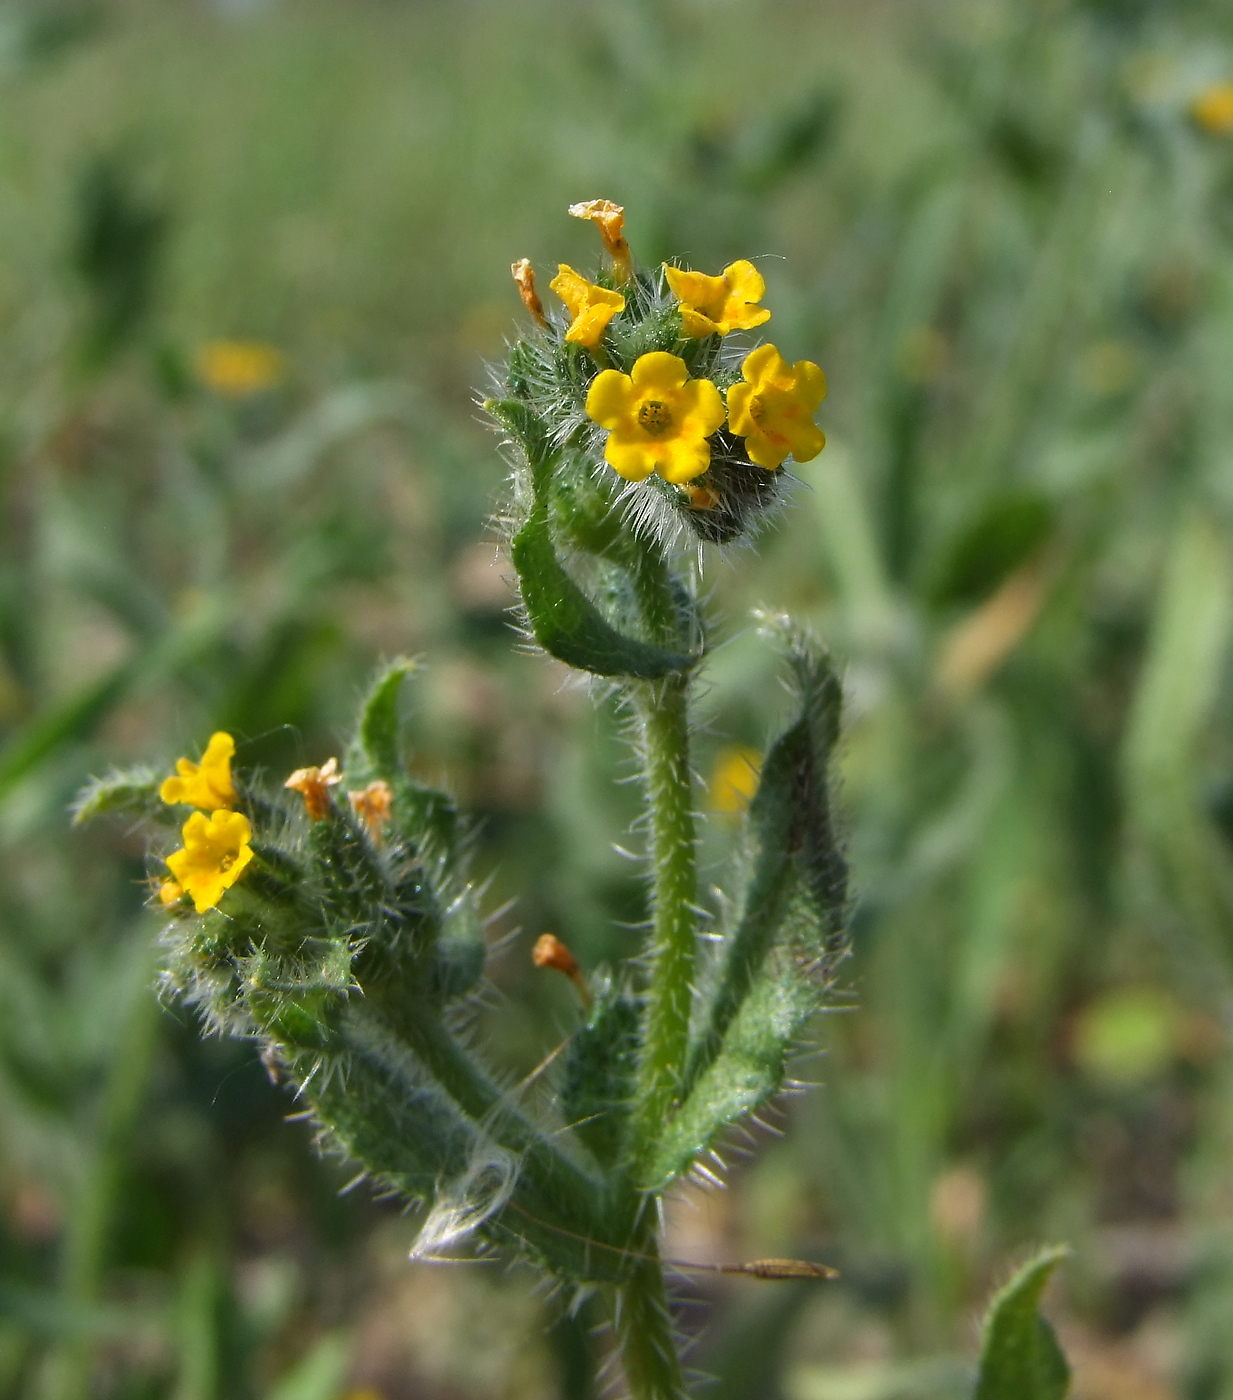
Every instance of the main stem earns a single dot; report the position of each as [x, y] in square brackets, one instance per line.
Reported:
[644, 1331]
[663, 711]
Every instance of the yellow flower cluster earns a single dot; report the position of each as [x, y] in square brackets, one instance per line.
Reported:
[658, 419]
[217, 848]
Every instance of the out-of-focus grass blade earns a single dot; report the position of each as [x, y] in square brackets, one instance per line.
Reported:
[319, 1375]
[76, 718]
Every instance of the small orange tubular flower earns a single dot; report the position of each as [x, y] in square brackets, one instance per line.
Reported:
[314, 784]
[773, 409]
[591, 307]
[214, 856]
[372, 805]
[609, 218]
[549, 951]
[717, 305]
[1212, 109]
[208, 783]
[658, 419]
[524, 275]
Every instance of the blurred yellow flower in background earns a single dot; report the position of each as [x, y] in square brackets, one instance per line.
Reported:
[214, 856]
[734, 779]
[773, 409]
[591, 306]
[1212, 109]
[658, 419]
[717, 305]
[208, 783]
[237, 369]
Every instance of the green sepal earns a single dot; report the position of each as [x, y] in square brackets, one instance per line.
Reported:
[1020, 1355]
[132, 793]
[600, 1070]
[522, 423]
[568, 625]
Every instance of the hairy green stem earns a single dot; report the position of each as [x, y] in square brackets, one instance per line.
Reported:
[663, 709]
[645, 1333]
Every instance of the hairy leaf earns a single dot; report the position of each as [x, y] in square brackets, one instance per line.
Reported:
[1020, 1356]
[568, 625]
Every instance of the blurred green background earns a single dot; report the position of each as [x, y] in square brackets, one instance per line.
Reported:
[1005, 229]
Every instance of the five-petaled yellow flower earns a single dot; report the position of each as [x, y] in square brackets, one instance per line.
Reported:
[208, 783]
[658, 419]
[717, 305]
[591, 307]
[773, 409]
[214, 856]
[1212, 109]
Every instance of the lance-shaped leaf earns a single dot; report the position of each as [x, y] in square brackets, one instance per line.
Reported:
[568, 625]
[1020, 1356]
[797, 874]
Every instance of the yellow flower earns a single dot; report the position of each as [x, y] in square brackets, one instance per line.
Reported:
[524, 274]
[239, 368]
[735, 779]
[372, 805]
[208, 783]
[314, 785]
[1212, 109]
[658, 419]
[773, 410]
[591, 307]
[609, 218]
[216, 850]
[717, 305]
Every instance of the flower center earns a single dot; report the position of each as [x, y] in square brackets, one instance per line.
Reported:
[226, 863]
[756, 408]
[655, 417]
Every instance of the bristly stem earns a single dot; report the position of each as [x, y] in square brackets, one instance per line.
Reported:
[645, 1334]
[663, 711]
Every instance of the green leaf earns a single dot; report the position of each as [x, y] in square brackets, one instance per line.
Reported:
[797, 874]
[1020, 1357]
[747, 1072]
[380, 726]
[130, 793]
[568, 625]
